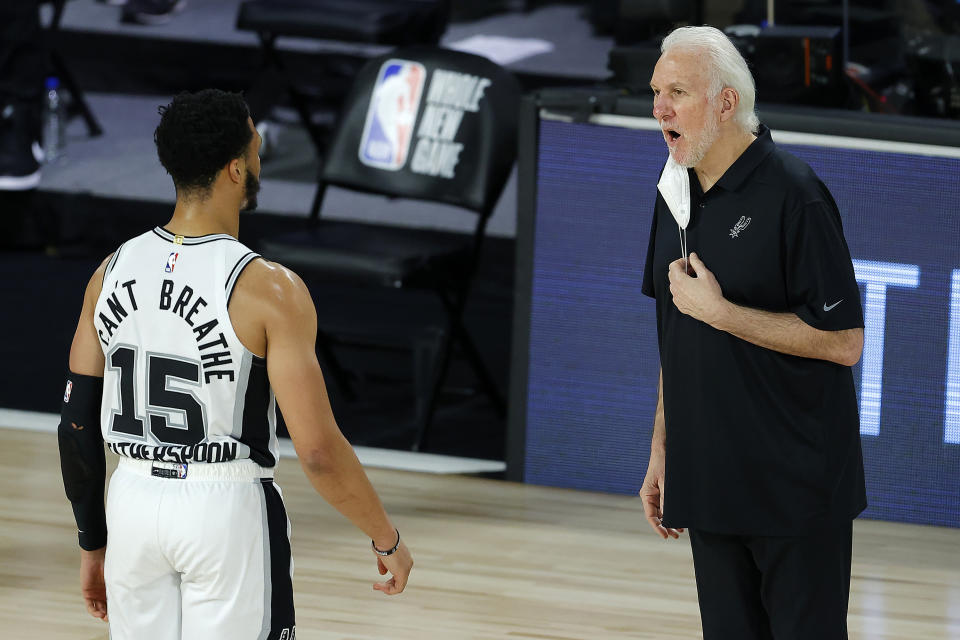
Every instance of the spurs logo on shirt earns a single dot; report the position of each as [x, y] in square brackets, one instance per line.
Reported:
[179, 386]
[742, 224]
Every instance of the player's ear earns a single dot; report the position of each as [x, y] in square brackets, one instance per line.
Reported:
[235, 171]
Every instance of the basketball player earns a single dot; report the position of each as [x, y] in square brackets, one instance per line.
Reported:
[186, 342]
[756, 446]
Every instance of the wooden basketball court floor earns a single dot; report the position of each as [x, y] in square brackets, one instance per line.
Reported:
[493, 560]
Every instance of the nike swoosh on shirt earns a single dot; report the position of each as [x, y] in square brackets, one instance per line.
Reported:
[826, 308]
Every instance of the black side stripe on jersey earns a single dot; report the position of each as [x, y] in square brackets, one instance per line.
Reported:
[192, 240]
[279, 616]
[256, 426]
[113, 261]
[237, 270]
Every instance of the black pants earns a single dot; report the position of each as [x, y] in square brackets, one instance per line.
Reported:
[22, 56]
[782, 588]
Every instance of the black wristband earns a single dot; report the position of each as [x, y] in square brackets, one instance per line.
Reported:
[388, 552]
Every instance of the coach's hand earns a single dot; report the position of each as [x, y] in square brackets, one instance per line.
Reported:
[92, 587]
[651, 493]
[399, 565]
[696, 292]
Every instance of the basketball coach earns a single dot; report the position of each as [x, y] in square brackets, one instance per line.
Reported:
[756, 445]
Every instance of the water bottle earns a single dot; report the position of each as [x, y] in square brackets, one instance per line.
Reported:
[53, 120]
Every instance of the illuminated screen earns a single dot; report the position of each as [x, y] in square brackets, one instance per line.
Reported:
[593, 359]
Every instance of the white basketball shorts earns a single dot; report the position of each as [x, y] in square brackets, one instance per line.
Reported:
[197, 551]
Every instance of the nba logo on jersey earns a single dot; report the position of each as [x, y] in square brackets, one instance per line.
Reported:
[171, 262]
[181, 471]
[394, 104]
[68, 391]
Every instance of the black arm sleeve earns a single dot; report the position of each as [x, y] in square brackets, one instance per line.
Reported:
[82, 460]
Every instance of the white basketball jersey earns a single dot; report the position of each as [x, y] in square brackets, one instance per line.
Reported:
[178, 384]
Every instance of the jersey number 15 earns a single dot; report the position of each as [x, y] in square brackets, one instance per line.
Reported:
[162, 401]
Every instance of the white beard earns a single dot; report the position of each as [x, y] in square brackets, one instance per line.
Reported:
[694, 156]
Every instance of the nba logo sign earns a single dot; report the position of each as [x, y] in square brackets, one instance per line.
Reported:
[171, 262]
[394, 104]
[68, 391]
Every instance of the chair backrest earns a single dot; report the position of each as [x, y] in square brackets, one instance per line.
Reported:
[429, 124]
[391, 22]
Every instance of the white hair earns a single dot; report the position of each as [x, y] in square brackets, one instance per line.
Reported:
[725, 68]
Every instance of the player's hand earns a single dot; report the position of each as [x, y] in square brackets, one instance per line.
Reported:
[92, 587]
[399, 565]
[696, 291]
[651, 493]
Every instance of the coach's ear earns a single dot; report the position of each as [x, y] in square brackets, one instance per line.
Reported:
[729, 101]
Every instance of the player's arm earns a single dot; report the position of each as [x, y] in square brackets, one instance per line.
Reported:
[82, 460]
[290, 322]
[701, 297]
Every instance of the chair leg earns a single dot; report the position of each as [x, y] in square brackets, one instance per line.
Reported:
[440, 367]
[454, 307]
[79, 102]
[426, 408]
[426, 347]
[314, 217]
[302, 105]
[480, 368]
[272, 58]
[262, 94]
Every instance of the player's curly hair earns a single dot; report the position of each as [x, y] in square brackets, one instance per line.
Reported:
[198, 134]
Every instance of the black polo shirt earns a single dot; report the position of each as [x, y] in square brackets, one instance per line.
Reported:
[758, 442]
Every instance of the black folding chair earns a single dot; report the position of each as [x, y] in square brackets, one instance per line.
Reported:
[385, 22]
[427, 124]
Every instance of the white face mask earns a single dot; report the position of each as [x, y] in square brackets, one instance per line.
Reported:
[674, 186]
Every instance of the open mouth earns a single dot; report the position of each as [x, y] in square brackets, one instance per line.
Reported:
[672, 135]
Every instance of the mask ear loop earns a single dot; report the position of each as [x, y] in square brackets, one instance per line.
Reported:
[686, 254]
[683, 247]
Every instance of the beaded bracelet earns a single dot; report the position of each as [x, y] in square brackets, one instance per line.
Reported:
[389, 552]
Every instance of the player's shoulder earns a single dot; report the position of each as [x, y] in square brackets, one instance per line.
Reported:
[272, 276]
[272, 284]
